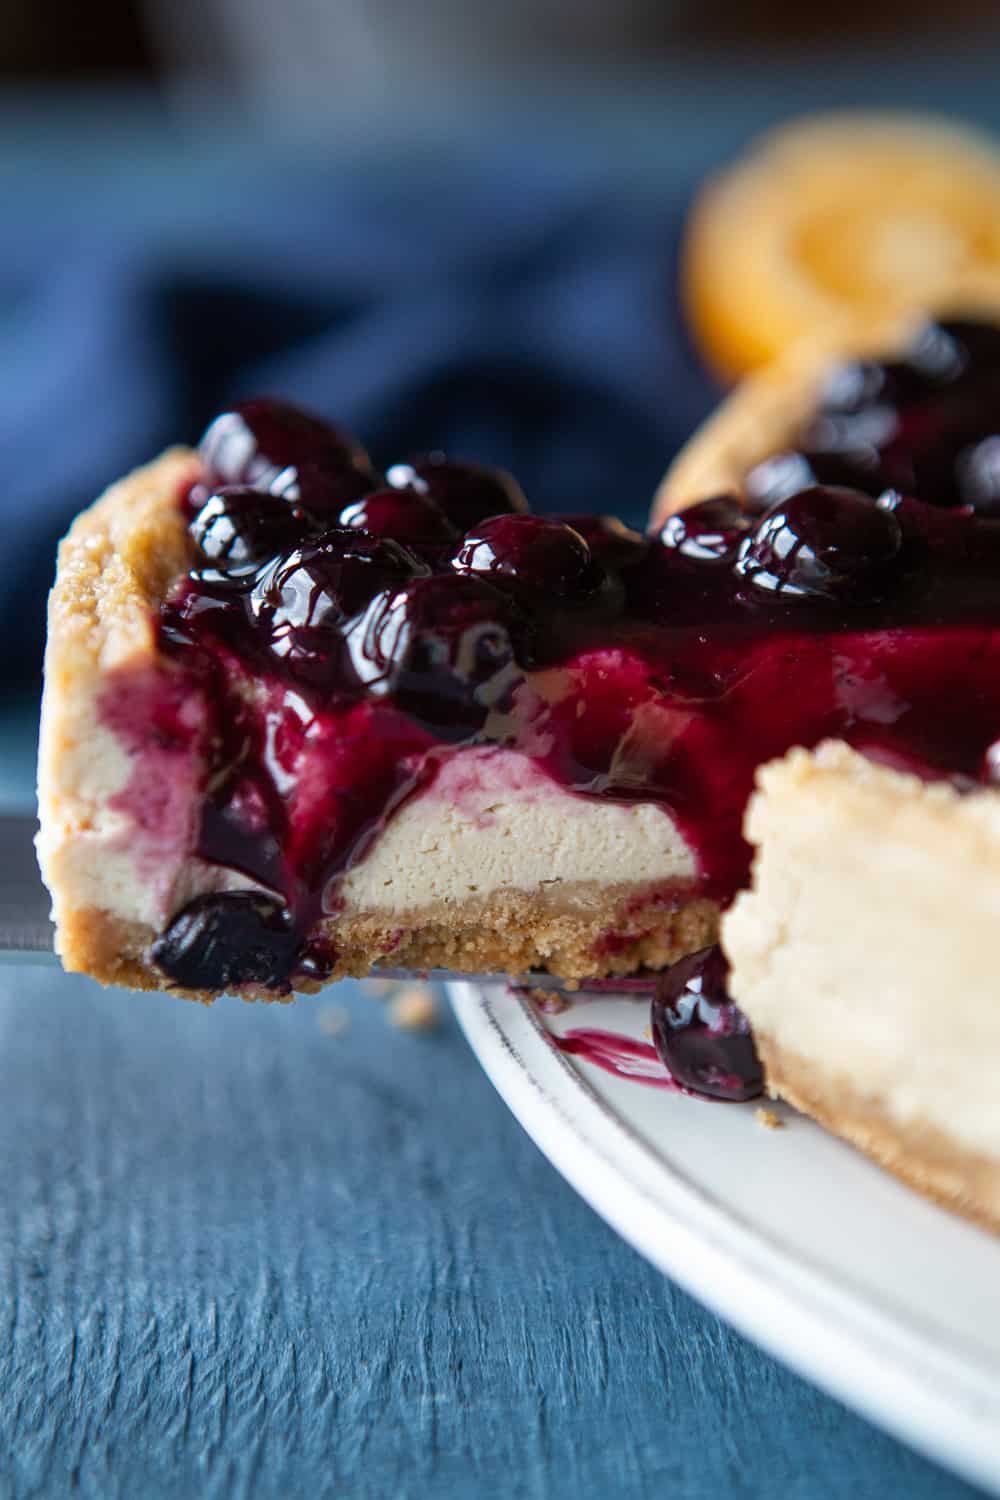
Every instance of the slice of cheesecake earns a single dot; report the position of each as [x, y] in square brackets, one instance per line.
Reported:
[279, 745]
[864, 956]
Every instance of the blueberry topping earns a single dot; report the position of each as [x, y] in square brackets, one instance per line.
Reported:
[613, 544]
[703, 1038]
[407, 515]
[823, 543]
[304, 600]
[272, 445]
[708, 531]
[907, 423]
[233, 938]
[443, 649]
[533, 553]
[466, 492]
[321, 491]
[238, 529]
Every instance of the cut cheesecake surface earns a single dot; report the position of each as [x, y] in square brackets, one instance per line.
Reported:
[864, 953]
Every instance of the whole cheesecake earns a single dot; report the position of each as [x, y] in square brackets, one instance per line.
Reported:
[302, 719]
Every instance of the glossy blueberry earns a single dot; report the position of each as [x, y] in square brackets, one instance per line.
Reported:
[466, 492]
[305, 598]
[708, 531]
[322, 491]
[232, 938]
[613, 544]
[823, 543]
[533, 553]
[237, 529]
[443, 648]
[702, 1037]
[406, 515]
[272, 445]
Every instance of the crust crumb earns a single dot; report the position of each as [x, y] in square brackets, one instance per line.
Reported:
[414, 1008]
[549, 1002]
[768, 1119]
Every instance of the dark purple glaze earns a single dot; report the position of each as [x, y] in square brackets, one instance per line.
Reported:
[406, 515]
[466, 492]
[238, 529]
[532, 554]
[627, 668]
[274, 446]
[915, 424]
[701, 1036]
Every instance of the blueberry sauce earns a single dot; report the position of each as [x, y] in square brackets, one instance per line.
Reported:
[619, 1055]
[925, 424]
[340, 650]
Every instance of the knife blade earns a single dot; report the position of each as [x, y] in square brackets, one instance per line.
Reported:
[26, 931]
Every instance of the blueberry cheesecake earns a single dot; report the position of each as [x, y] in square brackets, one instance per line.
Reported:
[301, 718]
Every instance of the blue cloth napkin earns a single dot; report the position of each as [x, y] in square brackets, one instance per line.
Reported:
[514, 309]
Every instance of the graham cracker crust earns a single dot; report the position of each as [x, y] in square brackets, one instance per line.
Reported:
[921, 1155]
[505, 933]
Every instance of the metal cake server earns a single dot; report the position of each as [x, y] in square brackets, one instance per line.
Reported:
[25, 925]
[26, 932]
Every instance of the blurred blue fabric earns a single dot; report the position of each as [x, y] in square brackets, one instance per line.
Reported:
[514, 309]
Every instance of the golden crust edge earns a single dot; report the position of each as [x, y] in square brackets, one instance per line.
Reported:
[478, 937]
[114, 568]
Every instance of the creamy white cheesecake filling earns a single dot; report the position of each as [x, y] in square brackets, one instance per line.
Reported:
[867, 945]
[491, 821]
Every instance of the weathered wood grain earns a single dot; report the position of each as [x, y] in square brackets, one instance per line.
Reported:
[242, 1257]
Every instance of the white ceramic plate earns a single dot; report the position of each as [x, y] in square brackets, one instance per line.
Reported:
[887, 1302]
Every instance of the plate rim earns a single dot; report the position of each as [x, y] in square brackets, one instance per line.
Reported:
[940, 1397]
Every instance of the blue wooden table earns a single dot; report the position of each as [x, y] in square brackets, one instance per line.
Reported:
[246, 1253]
